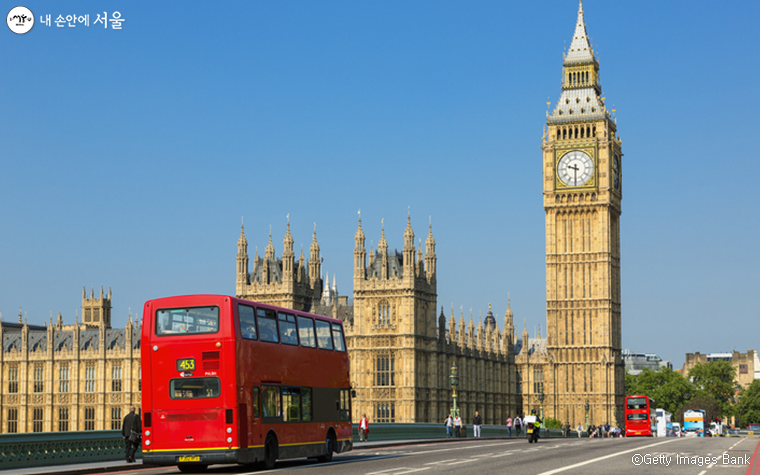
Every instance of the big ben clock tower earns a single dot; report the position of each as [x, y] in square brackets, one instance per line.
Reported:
[582, 172]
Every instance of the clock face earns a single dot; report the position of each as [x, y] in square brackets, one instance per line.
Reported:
[575, 168]
[616, 172]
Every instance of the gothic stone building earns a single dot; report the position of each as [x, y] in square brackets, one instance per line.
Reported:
[76, 377]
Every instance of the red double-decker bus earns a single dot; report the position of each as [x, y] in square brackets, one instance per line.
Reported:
[226, 380]
[640, 416]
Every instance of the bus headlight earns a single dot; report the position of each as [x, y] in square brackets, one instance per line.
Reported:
[229, 440]
[147, 442]
[229, 430]
[147, 433]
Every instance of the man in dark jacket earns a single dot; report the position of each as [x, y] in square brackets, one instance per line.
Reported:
[131, 429]
[477, 421]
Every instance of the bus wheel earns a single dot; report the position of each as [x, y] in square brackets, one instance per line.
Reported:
[329, 447]
[192, 468]
[270, 453]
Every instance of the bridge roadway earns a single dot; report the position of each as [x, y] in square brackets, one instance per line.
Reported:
[644, 456]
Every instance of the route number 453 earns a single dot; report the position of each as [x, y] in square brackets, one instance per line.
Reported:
[186, 364]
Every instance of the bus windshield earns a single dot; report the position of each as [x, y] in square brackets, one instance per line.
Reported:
[187, 321]
[637, 403]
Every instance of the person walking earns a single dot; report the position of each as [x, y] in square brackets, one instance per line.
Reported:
[518, 424]
[131, 430]
[477, 421]
[364, 428]
[449, 426]
[509, 426]
[457, 426]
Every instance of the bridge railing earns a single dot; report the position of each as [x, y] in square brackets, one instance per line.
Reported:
[59, 448]
[396, 431]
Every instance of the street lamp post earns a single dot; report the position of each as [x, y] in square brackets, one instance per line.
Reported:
[585, 406]
[541, 403]
[454, 380]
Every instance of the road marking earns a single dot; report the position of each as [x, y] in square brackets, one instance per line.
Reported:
[569, 467]
[412, 470]
[462, 461]
[440, 462]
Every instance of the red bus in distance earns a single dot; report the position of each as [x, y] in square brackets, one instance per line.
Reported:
[640, 416]
[226, 380]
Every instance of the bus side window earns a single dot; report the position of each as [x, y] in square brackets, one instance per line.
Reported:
[291, 403]
[247, 322]
[270, 401]
[337, 334]
[288, 329]
[256, 412]
[306, 332]
[306, 404]
[267, 325]
[324, 338]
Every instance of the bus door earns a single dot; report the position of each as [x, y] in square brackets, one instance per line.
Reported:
[255, 420]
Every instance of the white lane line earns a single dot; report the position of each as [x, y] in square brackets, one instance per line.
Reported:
[462, 461]
[440, 462]
[413, 470]
[569, 467]
[389, 470]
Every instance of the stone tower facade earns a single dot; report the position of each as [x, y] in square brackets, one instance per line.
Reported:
[582, 169]
[401, 358]
[96, 310]
[285, 281]
[59, 378]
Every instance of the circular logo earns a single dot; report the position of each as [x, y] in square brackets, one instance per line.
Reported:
[20, 20]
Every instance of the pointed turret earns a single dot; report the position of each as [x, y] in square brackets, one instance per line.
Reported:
[242, 262]
[453, 326]
[382, 249]
[315, 264]
[409, 270]
[442, 327]
[471, 335]
[490, 319]
[462, 330]
[288, 255]
[430, 259]
[509, 329]
[360, 253]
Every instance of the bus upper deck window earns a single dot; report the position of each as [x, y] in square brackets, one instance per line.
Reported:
[337, 334]
[324, 337]
[306, 332]
[267, 325]
[247, 322]
[288, 329]
[187, 321]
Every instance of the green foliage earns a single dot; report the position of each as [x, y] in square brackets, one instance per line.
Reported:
[669, 389]
[748, 408]
[703, 401]
[552, 423]
[718, 380]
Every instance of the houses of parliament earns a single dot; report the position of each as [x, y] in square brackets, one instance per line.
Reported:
[401, 343]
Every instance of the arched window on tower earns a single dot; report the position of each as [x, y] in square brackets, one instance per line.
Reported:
[384, 313]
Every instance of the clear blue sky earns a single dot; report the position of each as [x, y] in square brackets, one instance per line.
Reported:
[129, 156]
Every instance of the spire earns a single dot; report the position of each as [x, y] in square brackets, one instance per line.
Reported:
[452, 324]
[360, 252]
[580, 47]
[288, 240]
[269, 251]
[382, 245]
[430, 259]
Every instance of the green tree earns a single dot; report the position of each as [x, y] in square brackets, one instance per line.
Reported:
[552, 423]
[668, 388]
[748, 407]
[717, 379]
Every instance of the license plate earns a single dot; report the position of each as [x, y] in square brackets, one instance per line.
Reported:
[530, 431]
[189, 458]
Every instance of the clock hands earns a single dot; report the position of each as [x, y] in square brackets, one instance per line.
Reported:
[575, 173]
